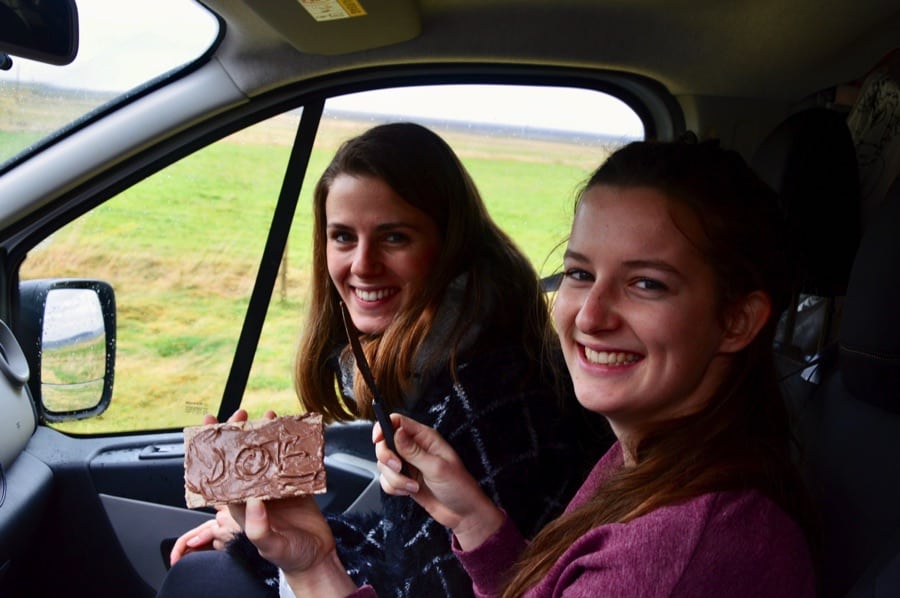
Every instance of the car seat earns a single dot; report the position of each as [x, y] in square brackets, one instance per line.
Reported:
[810, 160]
[849, 427]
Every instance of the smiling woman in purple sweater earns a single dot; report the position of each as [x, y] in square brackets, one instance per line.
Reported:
[673, 280]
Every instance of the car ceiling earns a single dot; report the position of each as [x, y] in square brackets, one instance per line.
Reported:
[763, 49]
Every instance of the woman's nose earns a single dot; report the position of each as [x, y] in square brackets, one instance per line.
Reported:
[365, 260]
[599, 310]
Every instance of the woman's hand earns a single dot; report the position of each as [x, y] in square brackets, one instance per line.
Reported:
[293, 534]
[211, 535]
[439, 481]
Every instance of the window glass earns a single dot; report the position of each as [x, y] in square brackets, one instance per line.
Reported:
[121, 46]
[181, 250]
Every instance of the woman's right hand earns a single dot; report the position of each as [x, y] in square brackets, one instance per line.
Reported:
[438, 481]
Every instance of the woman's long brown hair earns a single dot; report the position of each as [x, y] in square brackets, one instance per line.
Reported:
[502, 288]
[741, 439]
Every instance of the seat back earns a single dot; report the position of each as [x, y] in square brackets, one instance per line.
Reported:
[810, 160]
[850, 426]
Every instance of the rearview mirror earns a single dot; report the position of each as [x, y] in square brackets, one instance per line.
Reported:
[42, 30]
[68, 334]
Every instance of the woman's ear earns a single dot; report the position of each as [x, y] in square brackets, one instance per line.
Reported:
[744, 321]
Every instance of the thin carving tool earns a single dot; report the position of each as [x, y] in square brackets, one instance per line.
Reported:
[378, 404]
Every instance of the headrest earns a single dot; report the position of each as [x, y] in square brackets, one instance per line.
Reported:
[869, 342]
[810, 160]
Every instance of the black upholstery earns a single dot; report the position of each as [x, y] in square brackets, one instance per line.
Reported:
[870, 333]
[810, 160]
[850, 426]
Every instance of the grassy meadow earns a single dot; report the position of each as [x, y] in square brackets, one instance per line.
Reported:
[182, 249]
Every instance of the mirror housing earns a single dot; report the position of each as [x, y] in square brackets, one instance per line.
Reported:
[68, 334]
[42, 30]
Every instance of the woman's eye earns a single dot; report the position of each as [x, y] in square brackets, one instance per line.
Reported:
[649, 284]
[341, 237]
[577, 274]
[396, 238]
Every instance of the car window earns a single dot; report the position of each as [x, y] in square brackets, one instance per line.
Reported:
[122, 46]
[182, 248]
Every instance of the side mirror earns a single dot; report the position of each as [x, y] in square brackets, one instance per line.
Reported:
[43, 30]
[68, 334]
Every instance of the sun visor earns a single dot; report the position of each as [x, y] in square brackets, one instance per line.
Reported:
[333, 27]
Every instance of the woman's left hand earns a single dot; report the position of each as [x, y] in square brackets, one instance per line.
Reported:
[441, 484]
[293, 534]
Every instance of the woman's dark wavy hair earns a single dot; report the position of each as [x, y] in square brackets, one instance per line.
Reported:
[502, 293]
[741, 439]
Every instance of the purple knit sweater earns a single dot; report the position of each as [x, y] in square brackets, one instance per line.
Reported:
[730, 544]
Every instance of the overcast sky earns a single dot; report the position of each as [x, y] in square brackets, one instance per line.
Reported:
[578, 110]
[122, 45]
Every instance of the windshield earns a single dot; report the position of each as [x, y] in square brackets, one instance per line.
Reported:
[122, 46]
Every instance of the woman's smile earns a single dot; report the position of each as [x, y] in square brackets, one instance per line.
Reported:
[610, 358]
[373, 295]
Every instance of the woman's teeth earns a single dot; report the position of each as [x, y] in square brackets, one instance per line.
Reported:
[610, 357]
[374, 295]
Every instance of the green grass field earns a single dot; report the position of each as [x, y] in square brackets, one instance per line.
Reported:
[182, 249]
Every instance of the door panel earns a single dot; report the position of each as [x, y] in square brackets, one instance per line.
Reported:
[147, 531]
[24, 499]
[107, 510]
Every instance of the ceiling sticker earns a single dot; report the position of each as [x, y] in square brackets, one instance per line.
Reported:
[332, 10]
